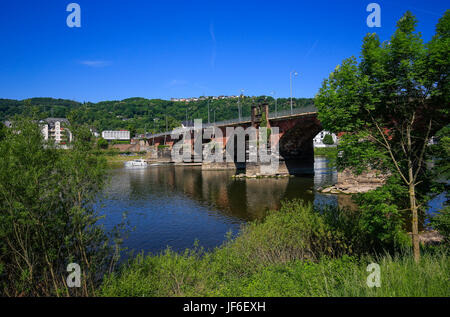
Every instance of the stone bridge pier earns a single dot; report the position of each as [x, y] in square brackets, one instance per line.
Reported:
[295, 142]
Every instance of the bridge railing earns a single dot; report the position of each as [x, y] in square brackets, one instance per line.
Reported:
[272, 115]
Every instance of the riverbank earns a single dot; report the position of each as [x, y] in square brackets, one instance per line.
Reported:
[295, 251]
[329, 152]
[118, 160]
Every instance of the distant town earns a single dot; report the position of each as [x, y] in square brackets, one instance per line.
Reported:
[193, 99]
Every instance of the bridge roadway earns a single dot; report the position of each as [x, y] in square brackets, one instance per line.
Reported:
[279, 115]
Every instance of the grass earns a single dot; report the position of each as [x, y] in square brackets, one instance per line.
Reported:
[118, 160]
[326, 151]
[294, 252]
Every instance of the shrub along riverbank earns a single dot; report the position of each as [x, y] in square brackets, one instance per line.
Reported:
[296, 251]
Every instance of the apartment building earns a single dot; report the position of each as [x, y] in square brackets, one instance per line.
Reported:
[56, 129]
[121, 135]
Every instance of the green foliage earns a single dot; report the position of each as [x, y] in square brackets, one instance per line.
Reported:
[441, 222]
[44, 107]
[102, 143]
[306, 234]
[137, 114]
[441, 154]
[328, 139]
[46, 219]
[329, 152]
[382, 217]
[2, 131]
[121, 142]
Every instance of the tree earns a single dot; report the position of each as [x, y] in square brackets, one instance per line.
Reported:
[102, 143]
[389, 105]
[328, 139]
[46, 216]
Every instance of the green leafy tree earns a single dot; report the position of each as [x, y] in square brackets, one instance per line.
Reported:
[46, 216]
[390, 104]
[102, 143]
[441, 161]
[328, 139]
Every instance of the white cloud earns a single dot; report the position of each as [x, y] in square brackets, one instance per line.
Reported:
[94, 63]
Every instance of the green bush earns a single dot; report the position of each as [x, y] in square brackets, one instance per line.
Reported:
[441, 222]
[46, 219]
[295, 231]
[102, 143]
[121, 142]
[382, 218]
[328, 139]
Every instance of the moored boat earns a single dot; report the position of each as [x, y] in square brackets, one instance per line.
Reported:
[136, 163]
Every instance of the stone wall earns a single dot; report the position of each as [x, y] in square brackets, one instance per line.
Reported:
[159, 154]
[349, 182]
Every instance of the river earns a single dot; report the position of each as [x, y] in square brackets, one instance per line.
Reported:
[174, 206]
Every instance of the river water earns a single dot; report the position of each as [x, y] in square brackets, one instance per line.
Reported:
[174, 206]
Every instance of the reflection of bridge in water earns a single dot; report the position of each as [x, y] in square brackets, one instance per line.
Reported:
[242, 199]
[296, 130]
[174, 205]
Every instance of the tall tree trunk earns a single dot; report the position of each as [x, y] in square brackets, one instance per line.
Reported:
[415, 222]
[412, 196]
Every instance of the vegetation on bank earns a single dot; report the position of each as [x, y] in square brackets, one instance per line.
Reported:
[138, 114]
[46, 215]
[118, 160]
[329, 152]
[296, 251]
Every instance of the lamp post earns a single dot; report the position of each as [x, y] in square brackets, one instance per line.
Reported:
[208, 112]
[154, 127]
[239, 104]
[290, 77]
[165, 134]
[273, 93]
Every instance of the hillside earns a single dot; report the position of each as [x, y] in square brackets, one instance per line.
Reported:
[138, 114]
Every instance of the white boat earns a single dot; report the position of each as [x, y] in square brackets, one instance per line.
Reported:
[136, 163]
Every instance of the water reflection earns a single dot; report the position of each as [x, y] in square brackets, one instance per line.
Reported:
[174, 206]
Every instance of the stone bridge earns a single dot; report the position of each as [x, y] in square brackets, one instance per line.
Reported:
[296, 130]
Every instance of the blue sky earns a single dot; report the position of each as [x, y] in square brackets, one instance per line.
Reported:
[164, 49]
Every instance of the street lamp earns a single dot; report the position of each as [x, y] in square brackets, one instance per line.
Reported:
[208, 112]
[273, 93]
[239, 106]
[290, 76]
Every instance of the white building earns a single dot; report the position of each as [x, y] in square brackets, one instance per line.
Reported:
[116, 135]
[56, 129]
[318, 139]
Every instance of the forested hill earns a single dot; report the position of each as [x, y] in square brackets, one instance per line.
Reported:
[47, 107]
[138, 114]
